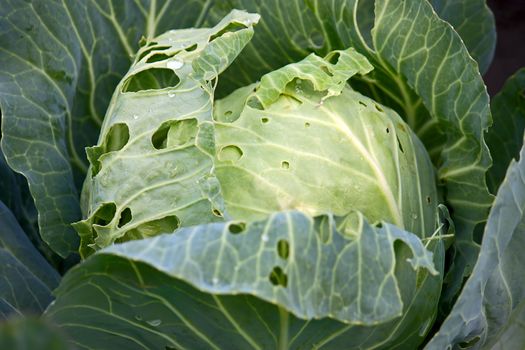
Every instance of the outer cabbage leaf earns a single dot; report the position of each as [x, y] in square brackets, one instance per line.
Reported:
[437, 66]
[14, 193]
[422, 69]
[302, 139]
[505, 137]
[288, 282]
[489, 312]
[474, 22]
[60, 62]
[27, 279]
[156, 146]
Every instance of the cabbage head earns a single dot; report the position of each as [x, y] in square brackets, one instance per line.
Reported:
[296, 191]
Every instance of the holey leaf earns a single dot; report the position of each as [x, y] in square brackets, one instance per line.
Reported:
[287, 282]
[305, 140]
[505, 137]
[151, 171]
[59, 64]
[422, 69]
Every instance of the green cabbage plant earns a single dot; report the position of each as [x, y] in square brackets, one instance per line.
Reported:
[258, 175]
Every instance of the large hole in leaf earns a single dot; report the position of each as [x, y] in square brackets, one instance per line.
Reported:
[153, 78]
[232, 27]
[116, 138]
[158, 57]
[125, 217]
[191, 48]
[104, 214]
[175, 133]
[152, 47]
[333, 58]
[278, 277]
[167, 224]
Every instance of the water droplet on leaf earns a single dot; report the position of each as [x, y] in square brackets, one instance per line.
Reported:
[175, 64]
[154, 323]
[248, 22]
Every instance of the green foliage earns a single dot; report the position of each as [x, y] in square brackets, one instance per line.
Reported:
[493, 298]
[27, 278]
[296, 174]
[339, 271]
[506, 135]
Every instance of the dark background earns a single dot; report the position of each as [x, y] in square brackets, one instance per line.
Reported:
[510, 47]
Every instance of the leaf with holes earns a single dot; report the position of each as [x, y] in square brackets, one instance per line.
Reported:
[275, 174]
[152, 170]
[302, 139]
[60, 62]
[273, 139]
[288, 282]
[422, 69]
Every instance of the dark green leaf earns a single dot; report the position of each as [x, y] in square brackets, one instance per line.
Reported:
[26, 277]
[437, 66]
[505, 138]
[489, 312]
[14, 193]
[474, 22]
